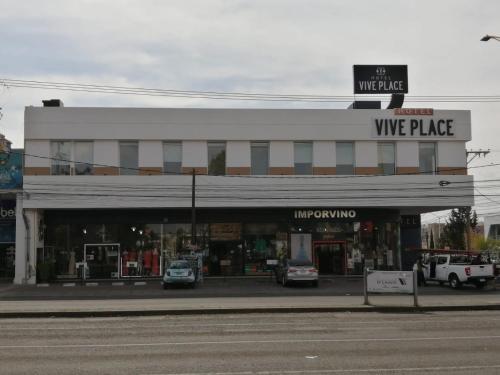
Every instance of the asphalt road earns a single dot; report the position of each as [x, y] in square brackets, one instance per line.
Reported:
[231, 287]
[342, 343]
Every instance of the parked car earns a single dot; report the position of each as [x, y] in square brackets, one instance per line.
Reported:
[179, 273]
[296, 271]
[458, 269]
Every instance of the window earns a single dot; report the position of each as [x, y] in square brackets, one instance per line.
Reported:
[70, 157]
[60, 153]
[259, 158]
[387, 158]
[345, 157]
[129, 158]
[84, 158]
[427, 157]
[172, 157]
[216, 158]
[303, 154]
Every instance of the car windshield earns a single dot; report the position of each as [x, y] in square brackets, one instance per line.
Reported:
[179, 265]
[299, 263]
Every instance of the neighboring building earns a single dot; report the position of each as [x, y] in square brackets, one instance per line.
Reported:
[432, 232]
[10, 188]
[111, 187]
[492, 227]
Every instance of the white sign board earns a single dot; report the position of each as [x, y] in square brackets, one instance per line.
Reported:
[390, 282]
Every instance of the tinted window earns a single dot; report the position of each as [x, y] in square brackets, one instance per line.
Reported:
[129, 158]
[259, 158]
[345, 158]
[172, 157]
[427, 157]
[386, 158]
[216, 158]
[61, 157]
[303, 155]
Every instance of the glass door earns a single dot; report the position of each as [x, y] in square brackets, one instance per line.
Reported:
[101, 261]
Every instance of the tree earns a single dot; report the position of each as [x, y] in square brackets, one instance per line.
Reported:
[456, 232]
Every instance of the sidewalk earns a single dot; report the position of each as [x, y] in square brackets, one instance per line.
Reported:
[221, 296]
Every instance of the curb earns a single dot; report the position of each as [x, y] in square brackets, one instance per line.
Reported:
[269, 310]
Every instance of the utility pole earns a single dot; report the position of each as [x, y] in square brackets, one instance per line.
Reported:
[193, 209]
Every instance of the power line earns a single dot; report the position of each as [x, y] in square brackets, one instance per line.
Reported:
[108, 89]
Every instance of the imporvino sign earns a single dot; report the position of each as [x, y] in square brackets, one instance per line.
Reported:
[324, 214]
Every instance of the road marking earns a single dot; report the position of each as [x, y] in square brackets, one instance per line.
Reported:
[119, 283]
[340, 371]
[69, 284]
[291, 341]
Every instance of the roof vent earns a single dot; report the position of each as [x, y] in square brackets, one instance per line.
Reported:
[53, 103]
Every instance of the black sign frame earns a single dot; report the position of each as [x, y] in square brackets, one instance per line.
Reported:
[380, 79]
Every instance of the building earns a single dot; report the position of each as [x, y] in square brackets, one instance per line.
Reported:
[110, 189]
[11, 182]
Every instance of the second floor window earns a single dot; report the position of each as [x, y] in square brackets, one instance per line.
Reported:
[70, 157]
[172, 157]
[303, 155]
[386, 158]
[345, 158]
[427, 157]
[259, 158]
[216, 158]
[129, 158]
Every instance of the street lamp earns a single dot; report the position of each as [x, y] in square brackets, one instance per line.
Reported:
[488, 37]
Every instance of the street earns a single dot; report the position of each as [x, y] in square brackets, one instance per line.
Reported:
[337, 343]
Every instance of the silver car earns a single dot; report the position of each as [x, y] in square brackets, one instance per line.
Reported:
[296, 271]
[179, 272]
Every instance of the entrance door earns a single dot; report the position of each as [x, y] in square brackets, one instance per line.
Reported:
[7, 261]
[101, 260]
[330, 257]
[226, 258]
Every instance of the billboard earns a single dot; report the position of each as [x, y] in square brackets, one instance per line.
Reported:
[380, 79]
[11, 169]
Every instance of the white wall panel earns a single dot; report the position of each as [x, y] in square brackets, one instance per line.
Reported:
[107, 153]
[366, 154]
[38, 148]
[238, 154]
[324, 154]
[451, 154]
[281, 154]
[407, 154]
[194, 154]
[150, 154]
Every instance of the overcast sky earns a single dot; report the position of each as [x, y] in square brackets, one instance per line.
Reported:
[258, 46]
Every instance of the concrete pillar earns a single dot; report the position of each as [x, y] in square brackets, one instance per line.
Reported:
[26, 243]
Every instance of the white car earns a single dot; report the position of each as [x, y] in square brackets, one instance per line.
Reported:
[296, 271]
[179, 272]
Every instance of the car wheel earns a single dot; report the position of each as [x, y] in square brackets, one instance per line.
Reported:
[455, 282]
[315, 283]
[165, 286]
[283, 281]
[193, 285]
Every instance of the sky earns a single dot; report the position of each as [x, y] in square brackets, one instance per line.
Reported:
[256, 46]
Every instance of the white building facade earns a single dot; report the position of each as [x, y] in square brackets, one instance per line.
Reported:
[109, 190]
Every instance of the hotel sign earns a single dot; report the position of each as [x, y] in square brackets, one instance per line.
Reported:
[380, 79]
[324, 214]
[413, 127]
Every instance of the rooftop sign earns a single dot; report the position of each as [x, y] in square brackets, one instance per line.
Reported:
[380, 79]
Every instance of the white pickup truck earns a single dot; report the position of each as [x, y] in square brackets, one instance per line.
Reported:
[457, 270]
